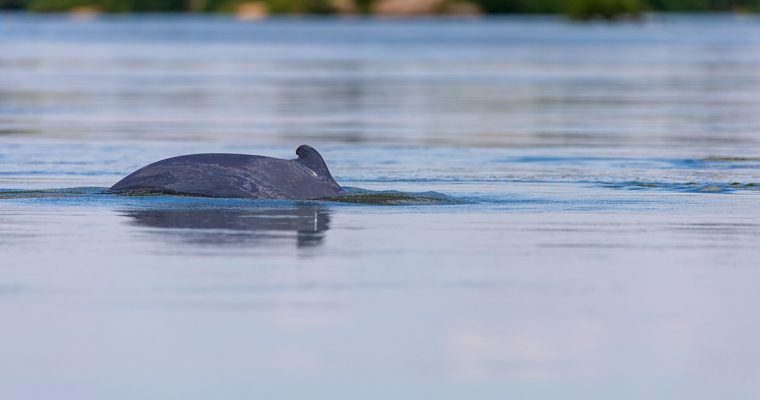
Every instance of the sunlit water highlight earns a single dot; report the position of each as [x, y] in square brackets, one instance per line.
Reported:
[539, 209]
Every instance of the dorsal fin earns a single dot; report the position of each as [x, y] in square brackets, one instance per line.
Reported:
[311, 158]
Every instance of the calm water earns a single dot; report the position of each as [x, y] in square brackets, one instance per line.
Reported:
[600, 238]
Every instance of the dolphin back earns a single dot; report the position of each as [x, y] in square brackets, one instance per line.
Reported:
[234, 175]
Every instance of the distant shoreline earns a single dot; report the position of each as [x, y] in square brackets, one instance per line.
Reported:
[259, 9]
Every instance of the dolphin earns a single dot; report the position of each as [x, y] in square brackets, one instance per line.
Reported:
[235, 175]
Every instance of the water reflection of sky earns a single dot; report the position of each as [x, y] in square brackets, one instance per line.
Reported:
[439, 302]
[669, 82]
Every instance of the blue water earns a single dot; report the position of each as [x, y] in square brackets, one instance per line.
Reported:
[580, 220]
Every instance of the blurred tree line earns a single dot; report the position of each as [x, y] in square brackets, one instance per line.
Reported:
[575, 8]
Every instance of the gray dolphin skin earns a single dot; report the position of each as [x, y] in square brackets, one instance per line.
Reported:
[235, 175]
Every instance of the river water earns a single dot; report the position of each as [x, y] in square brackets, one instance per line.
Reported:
[598, 234]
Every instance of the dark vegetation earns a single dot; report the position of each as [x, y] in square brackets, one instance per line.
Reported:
[579, 9]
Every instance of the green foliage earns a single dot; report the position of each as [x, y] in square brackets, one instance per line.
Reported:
[583, 9]
[12, 4]
[679, 5]
[606, 9]
[157, 5]
[364, 5]
[65, 5]
[300, 6]
[601, 7]
[521, 6]
[226, 6]
[275, 6]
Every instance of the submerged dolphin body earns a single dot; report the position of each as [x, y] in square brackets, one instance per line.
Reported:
[235, 175]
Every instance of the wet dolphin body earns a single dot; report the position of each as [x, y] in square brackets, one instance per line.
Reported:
[235, 175]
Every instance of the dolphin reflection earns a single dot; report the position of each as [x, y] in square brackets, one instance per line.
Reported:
[307, 225]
